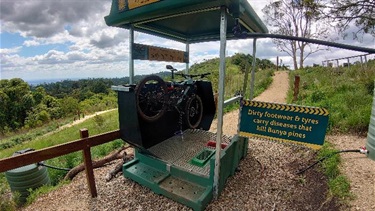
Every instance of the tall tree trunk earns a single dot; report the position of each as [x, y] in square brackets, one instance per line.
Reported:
[294, 54]
[301, 55]
[295, 61]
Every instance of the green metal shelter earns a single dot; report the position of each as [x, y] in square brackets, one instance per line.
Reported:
[187, 21]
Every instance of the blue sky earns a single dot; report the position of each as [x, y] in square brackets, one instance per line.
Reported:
[47, 39]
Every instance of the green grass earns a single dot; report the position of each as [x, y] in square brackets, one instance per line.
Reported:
[346, 93]
[234, 77]
[263, 80]
[23, 135]
[108, 122]
[339, 185]
[68, 134]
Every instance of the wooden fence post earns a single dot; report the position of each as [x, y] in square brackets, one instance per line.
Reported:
[84, 133]
[296, 87]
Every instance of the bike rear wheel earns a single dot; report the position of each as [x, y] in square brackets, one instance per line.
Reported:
[151, 98]
[193, 111]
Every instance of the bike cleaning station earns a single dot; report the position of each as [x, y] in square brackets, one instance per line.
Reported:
[168, 122]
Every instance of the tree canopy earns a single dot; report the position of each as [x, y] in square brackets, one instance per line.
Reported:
[297, 18]
[343, 13]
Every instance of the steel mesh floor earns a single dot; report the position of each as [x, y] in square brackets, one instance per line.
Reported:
[180, 149]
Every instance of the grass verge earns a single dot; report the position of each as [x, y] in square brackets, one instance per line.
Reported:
[339, 185]
[106, 122]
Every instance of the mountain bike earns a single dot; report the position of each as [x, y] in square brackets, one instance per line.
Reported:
[155, 97]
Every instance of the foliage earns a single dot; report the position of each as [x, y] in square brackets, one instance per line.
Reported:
[15, 100]
[22, 107]
[361, 13]
[299, 19]
[6, 201]
[244, 61]
[99, 120]
[235, 73]
[22, 136]
[69, 134]
[66, 134]
[339, 185]
[34, 194]
[347, 93]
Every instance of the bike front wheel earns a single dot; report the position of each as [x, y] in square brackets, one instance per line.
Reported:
[151, 98]
[193, 111]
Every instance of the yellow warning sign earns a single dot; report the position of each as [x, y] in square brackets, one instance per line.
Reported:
[139, 3]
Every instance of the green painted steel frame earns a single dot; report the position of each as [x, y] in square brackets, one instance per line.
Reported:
[152, 172]
[370, 144]
[186, 21]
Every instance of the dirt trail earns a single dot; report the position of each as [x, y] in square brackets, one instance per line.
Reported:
[75, 122]
[278, 90]
[275, 93]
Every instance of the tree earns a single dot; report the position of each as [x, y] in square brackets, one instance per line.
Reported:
[39, 94]
[295, 18]
[4, 102]
[17, 98]
[346, 12]
[69, 105]
[246, 60]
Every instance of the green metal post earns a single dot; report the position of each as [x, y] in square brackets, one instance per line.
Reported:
[220, 104]
[187, 63]
[253, 69]
[131, 61]
[370, 145]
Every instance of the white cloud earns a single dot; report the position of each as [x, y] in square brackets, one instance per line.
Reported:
[97, 50]
[46, 18]
[10, 50]
[29, 43]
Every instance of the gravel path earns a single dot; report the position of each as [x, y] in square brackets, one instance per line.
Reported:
[359, 170]
[266, 180]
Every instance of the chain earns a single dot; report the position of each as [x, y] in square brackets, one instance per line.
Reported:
[181, 113]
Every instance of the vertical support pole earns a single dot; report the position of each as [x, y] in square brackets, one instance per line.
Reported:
[337, 63]
[348, 64]
[296, 87]
[253, 69]
[322, 63]
[131, 61]
[361, 61]
[277, 63]
[84, 133]
[245, 79]
[223, 42]
[187, 63]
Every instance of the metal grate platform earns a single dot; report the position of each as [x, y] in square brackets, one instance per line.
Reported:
[179, 150]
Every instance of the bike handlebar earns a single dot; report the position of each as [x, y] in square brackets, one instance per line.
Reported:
[186, 76]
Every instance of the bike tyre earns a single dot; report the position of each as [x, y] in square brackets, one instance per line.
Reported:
[161, 88]
[198, 113]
